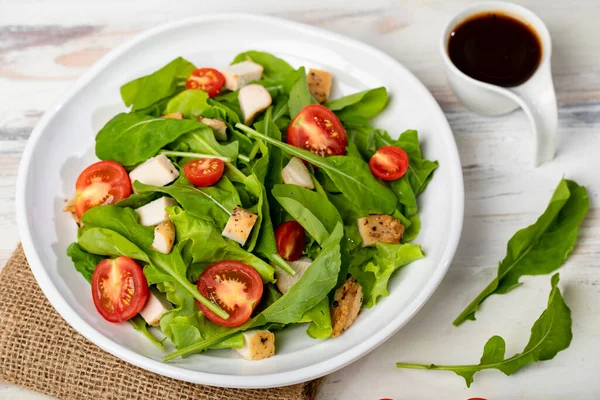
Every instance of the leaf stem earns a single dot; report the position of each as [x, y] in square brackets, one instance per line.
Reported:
[254, 150]
[244, 158]
[202, 345]
[193, 155]
[281, 263]
[472, 307]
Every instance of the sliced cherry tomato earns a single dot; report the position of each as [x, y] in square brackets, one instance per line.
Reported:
[119, 289]
[317, 129]
[204, 171]
[233, 286]
[101, 183]
[389, 163]
[290, 238]
[206, 79]
[476, 398]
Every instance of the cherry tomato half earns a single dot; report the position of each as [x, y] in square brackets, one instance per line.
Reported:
[389, 163]
[208, 80]
[318, 130]
[290, 238]
[119, 289]
[233, 286]
[204, 171]
[104, 182]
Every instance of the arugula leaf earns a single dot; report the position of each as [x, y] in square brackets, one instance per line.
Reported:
[106, 242]
[365, 105]
[84, 262]
[300, 96]
[190, 103]
[306, 294]
[163, 267]
[375, 275]
[137, 200]
[550, 334]
[320, 320]
[150, 89]
[140, 325]
[130, 139]
[540, 248]
[316, 214]
[352, 176]
[274, 67]
[205, 244]
[213, 203]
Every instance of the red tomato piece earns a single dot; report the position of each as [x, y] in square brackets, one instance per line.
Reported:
[119, 289]
[208, 80]
[233, 286]
[389, 163]
[290, 238]
[318, 130]
[104, 182]
[204, 171]
[476, 398]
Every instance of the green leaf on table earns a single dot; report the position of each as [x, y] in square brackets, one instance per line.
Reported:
[130, 139]
[84, 262]
[363, 105]
[550, 334]
[143, 92]
[204, 244]
[375, 274]
[540, 248]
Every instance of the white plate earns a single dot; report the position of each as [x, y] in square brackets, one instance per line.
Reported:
[62, 144]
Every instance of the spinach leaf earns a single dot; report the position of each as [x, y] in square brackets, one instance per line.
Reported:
[274, 67]
[106, 242]
[84, 262]
[352, 176]
[130, 139]
[540, 248]
[550, 334]
[150, 89]
[166, 269]
[300, 96]
[306, 294]
[316, 214]
[320, 320]
[190, 103]
[205, 244]
[365, 104]
[140, 325]
[375, 275]
[213, 204]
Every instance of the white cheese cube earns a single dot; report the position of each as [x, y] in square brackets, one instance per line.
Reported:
[154, 212]
[157, 171]
[155, 308]
[239, 225]
[285, 281]
[296, 173]
[258, 344]
[253, 99]
[239, 75]
[218, 127]
[164, 237]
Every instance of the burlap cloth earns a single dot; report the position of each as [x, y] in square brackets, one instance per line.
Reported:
[41, 352]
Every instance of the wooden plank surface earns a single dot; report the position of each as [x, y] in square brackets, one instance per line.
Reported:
[45, 46]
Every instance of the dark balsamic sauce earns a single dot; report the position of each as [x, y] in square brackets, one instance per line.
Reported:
[495, 48]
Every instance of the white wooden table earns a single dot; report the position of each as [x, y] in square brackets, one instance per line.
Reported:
[45, 46]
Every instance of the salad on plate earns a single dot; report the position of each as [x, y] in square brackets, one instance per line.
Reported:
[229, 204]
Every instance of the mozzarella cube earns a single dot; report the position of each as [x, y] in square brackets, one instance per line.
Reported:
[157, 171]
[155, 308]
[164, 237]
[239, 75]
[258, 344]
[218, 127]
[154, 212]
[380, 228]
[296, 173]
[285, 281]
[253, 99]
[240, 225]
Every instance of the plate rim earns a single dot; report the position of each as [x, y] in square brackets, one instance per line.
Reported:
[234, 381]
